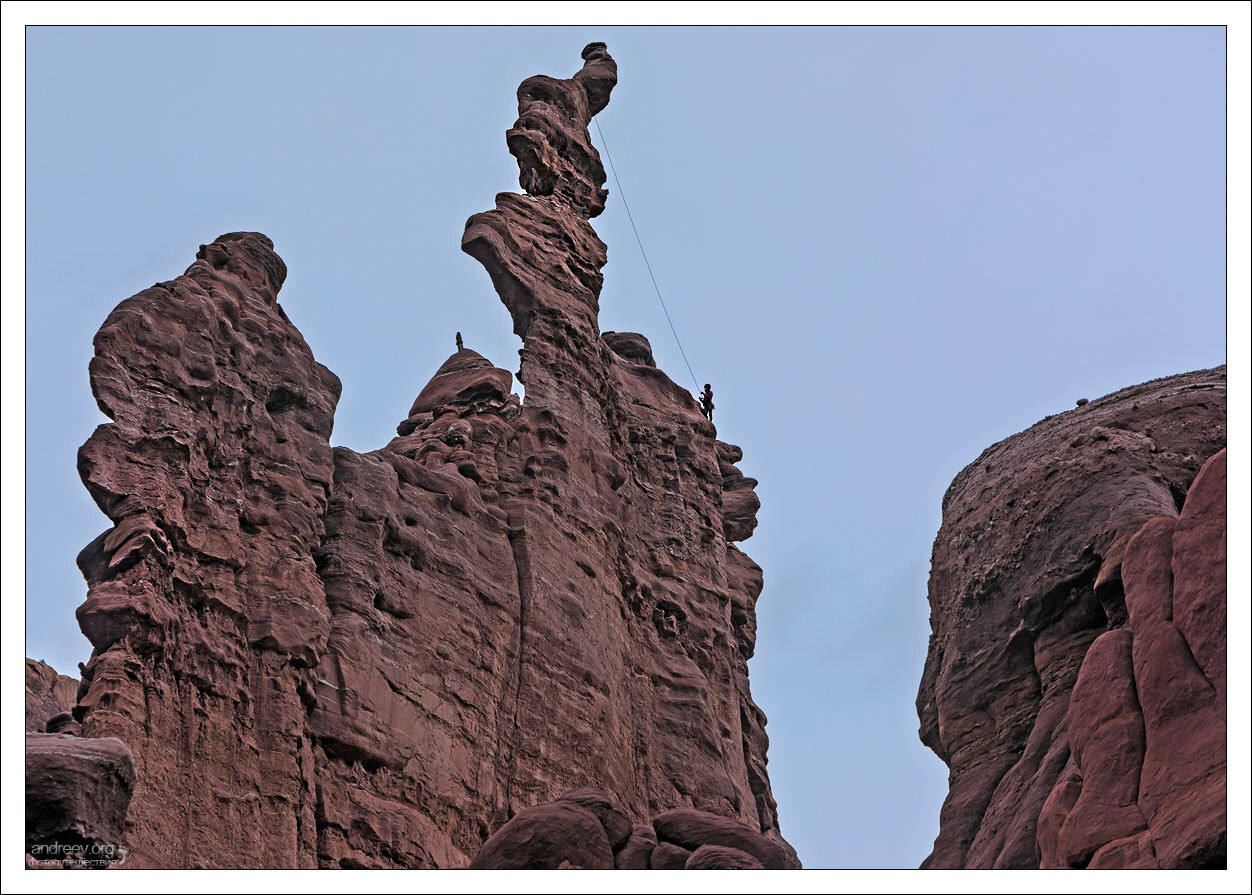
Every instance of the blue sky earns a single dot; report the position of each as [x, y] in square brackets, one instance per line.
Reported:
[887, 248]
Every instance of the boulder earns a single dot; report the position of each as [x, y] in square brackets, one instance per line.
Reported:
[77, 794]
[555, 836]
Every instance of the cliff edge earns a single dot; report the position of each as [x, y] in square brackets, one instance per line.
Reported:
[1076, 678]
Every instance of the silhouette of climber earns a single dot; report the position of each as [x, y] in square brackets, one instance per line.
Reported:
[706, 402]
[460, 345]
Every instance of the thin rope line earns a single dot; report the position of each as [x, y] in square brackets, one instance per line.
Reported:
[631, 218]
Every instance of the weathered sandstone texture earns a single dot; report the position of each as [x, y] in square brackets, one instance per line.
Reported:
[325, 658]
[1076, 679]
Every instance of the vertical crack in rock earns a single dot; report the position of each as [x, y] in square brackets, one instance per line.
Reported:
[521, 560]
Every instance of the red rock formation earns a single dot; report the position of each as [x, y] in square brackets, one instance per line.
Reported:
[636, 854]
[554, 836]
[1154, 794]
[1075, 684]
[588, 830]
[204, 608]
[48, 695]
[374, 660]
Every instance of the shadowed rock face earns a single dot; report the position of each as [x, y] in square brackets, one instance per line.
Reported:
[1075, 683]
[336, 659]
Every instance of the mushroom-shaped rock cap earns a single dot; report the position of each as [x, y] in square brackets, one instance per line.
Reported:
[555, 155]
[464, 378]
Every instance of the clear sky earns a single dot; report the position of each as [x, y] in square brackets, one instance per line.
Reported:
[885, 248]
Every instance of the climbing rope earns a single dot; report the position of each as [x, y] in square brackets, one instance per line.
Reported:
[621, 192]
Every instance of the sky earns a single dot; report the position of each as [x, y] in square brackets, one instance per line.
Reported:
[886, 248]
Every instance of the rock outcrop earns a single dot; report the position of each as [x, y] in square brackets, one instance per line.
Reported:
[588, 830]
[324, 658]
[1075, 683]
[48, 695]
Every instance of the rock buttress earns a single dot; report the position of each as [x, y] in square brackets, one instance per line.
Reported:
[205, 609]
[1075, 681]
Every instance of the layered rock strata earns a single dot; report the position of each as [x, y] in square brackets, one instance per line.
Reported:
[205, 609]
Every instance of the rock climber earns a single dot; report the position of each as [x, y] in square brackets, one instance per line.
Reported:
[460, 345]
[706, 402]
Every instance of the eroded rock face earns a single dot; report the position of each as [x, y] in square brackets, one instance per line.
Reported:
[1078, 610]
[337, 659]
[1148, 715]
[205, 608]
